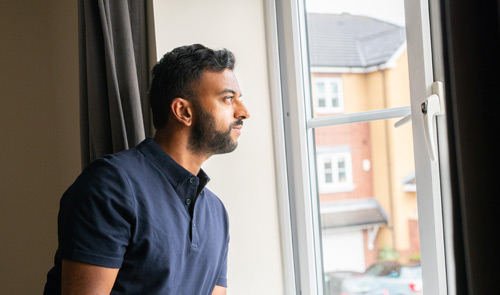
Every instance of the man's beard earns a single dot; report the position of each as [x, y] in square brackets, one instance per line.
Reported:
[206, 139]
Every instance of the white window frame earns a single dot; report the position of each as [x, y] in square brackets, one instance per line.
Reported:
[335, 186]
[328, 108]
[293, 126]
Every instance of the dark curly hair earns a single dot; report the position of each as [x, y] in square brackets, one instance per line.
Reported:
[177, 73]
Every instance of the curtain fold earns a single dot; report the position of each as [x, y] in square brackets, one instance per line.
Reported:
[114, 71]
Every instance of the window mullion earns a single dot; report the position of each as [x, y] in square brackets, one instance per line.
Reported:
[358, 117]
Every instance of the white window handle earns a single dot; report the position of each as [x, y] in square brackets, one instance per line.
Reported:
[431, 107]
[403, 121]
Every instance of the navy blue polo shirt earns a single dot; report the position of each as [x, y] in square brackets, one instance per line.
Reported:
[143, 213]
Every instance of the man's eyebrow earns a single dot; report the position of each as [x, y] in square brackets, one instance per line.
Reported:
[228, 90]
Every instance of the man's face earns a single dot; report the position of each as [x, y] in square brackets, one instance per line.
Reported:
[218, 114]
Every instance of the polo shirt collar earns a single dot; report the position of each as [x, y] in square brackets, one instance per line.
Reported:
[176, 174]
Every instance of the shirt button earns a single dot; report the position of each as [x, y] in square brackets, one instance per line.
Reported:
[191, 180]
[194, 224]
[188, 201]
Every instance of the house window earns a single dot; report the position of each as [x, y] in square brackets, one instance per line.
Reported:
[328, 95]
[328, 171]
[334, 170]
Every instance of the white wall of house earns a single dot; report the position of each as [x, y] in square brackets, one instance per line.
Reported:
[245, 179]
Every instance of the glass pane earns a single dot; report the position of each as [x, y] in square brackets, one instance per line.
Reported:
[368, 216]
[362, 45]
[365, 172]
[321, 102]
[342, 170]
[320, 88]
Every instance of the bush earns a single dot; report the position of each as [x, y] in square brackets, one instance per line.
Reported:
[388, 254]
[415, 257]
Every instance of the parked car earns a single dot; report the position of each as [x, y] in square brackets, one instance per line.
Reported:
[381, 278]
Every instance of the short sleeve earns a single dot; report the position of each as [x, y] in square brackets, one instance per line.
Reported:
[95, 216]
[222, 278]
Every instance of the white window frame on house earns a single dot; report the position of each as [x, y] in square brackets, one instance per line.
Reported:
[336, 185]
[294, 124]
[329, 95]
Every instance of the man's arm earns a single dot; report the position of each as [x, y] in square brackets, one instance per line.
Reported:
[219, 290]
[82, 279]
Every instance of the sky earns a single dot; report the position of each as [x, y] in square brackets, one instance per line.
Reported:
[389, 10]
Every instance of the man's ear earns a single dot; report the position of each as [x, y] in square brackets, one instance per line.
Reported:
[182, 110]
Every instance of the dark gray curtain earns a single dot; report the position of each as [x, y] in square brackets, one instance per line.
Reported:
[114, 70]
[471, 37]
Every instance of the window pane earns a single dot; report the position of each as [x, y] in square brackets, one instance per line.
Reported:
[320, 94]
[334, 93]
[334, 88]
[320, 88]
[364, 51]
[341, 169]
[321, 102]
[368, 216]
[328, 171]
[335, 101]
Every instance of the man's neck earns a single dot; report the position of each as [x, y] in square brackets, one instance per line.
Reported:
[175, 145]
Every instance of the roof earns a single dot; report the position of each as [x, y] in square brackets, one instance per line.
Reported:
[345, 40]
[352, 212]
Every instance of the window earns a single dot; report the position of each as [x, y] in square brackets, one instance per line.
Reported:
[357, 198]
[334, 170]
[327, 93]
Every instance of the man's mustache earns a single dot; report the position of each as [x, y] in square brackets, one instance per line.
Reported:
[237, 123]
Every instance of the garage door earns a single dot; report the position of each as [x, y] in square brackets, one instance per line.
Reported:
[343, 251]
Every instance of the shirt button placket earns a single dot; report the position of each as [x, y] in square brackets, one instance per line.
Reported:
[194, 241]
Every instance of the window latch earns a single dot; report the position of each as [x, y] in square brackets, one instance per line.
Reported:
[403, 121]
[432, 107]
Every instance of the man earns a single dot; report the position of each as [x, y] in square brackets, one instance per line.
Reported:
[141, 221]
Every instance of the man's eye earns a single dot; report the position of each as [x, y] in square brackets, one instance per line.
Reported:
[229, 98]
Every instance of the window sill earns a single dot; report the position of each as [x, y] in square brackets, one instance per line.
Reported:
[339, 188]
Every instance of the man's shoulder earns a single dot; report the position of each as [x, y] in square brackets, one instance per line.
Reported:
[110, 168]
[124, 157]
[212, 195]
[214, 199]
[124, 160]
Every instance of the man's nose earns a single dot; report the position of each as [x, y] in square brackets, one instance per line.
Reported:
[241, 111]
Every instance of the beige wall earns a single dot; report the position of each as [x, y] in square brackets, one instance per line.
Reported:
[355, 90]
[39, 141]
[245, 179]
